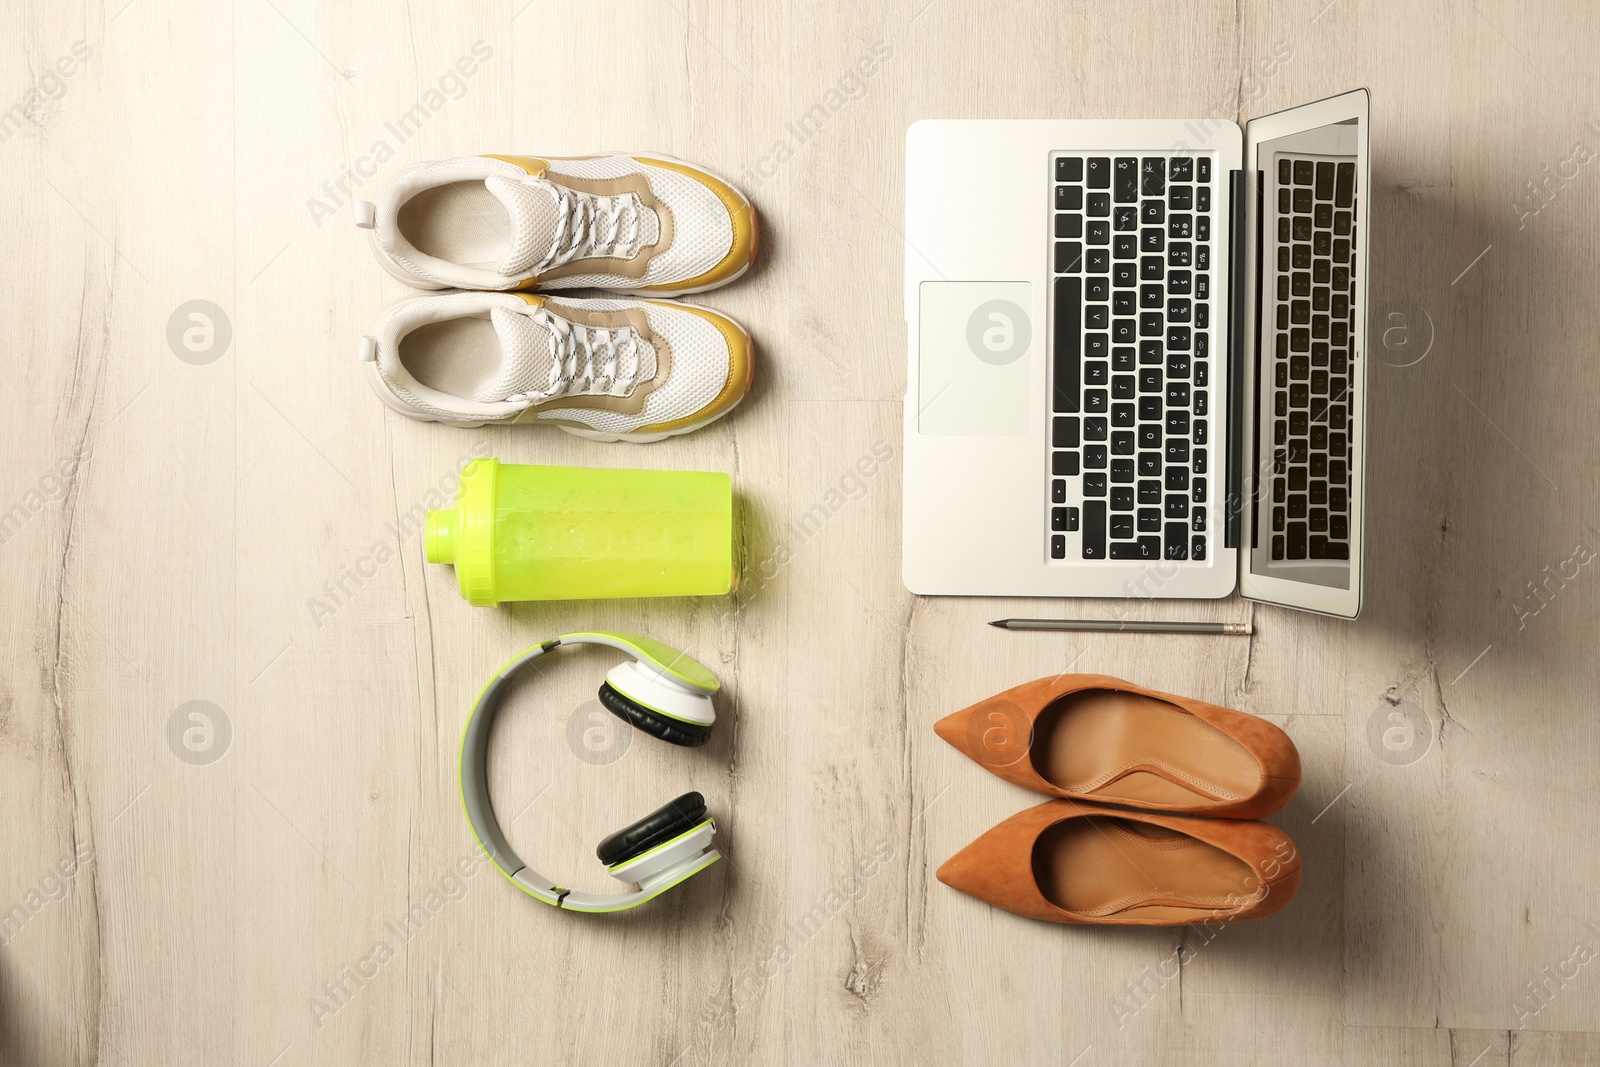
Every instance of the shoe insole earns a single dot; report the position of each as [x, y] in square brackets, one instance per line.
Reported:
[462, 222]
[1134, 749]
[1098, 865]
[455, 356]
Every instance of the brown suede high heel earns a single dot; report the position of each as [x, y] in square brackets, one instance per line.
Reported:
[1095, 738]
[1067, 862]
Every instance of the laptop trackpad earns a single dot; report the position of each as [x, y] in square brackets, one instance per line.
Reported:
[975, 358]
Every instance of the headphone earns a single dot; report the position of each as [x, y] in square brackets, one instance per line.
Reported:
[660, 691]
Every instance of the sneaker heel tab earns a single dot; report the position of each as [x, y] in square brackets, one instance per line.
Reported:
[369, 349]
[365, 212]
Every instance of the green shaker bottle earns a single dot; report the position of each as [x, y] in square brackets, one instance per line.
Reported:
[522, 532]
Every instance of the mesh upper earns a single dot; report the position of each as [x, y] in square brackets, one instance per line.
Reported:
[700, 359]
[702, 234]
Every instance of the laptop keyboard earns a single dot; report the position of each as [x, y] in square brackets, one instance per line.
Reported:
[1311, 328]
[1131, 364]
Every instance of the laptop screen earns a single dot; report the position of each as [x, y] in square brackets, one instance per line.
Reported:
[1306, 457]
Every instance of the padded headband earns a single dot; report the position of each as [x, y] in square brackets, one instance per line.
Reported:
[666, 847]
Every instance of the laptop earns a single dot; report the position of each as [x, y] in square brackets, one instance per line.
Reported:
[1137, 357]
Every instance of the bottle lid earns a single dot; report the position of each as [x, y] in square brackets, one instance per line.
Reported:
[440, 535]
[463, 536]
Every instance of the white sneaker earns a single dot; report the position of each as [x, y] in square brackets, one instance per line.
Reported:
[612, 369]
[517, 222]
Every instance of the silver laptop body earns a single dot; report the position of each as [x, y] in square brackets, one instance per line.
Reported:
[1137, 357]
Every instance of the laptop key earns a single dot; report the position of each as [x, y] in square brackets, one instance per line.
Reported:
[1058, 546]
[1153, 181]
[1125, 180]
[1121, 526]
[1344, 185]
[1099, 172]
[1058, 491]
[1297, 540]
[1197, 549]
[1069, 169]
[1067, 343]
[1064, 519]
[1094, 529]
[1176, 538]
[1143, 548]
[1149, 520]
[1324, 180]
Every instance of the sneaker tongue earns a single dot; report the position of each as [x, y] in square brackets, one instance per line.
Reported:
[524, 357]
[533, 212]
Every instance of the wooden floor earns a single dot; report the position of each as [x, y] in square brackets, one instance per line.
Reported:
[281, 874]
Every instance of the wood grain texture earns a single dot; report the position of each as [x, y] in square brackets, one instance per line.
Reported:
[244, 532]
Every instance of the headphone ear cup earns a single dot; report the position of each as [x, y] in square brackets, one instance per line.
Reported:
[673, 731]
[661, 825]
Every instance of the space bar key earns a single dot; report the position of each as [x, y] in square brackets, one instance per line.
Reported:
[1067, 345]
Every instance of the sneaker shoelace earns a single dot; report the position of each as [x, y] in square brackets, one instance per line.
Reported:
[588, 226]
[587, 359]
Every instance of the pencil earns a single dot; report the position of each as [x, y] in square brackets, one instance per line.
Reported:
[1238, 629]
